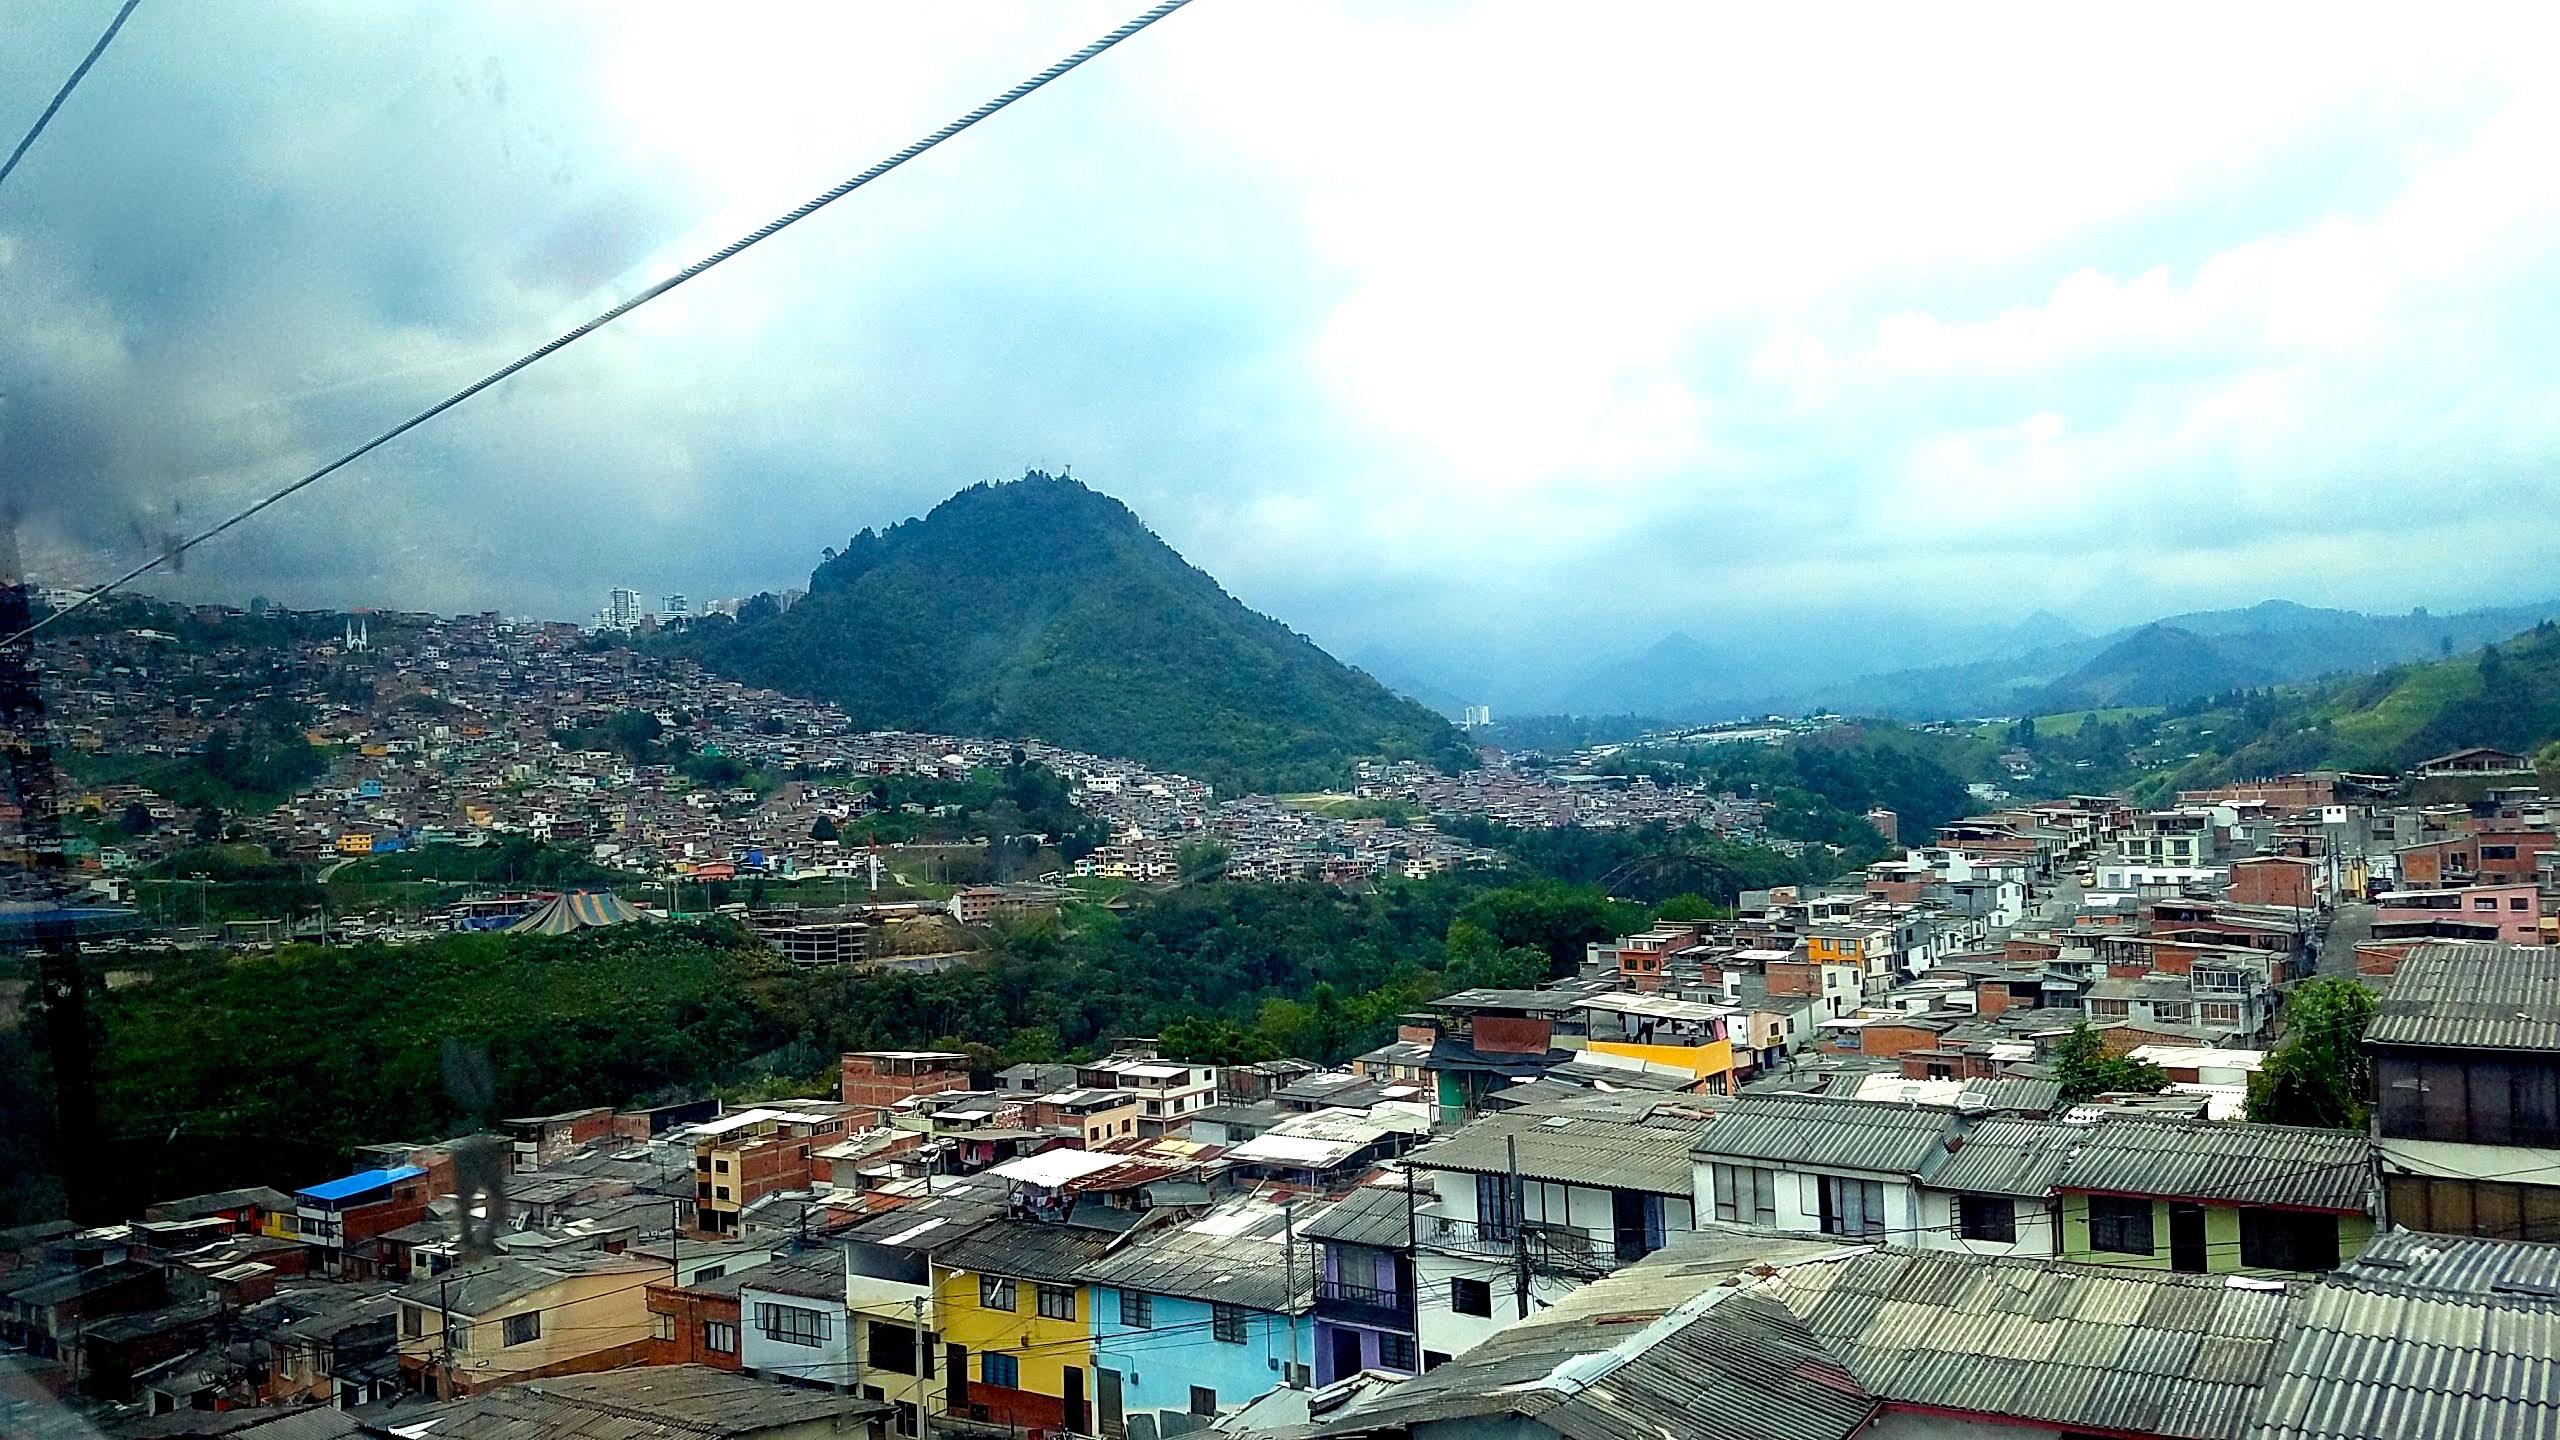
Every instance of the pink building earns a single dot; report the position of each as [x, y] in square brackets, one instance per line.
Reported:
[2509, 913]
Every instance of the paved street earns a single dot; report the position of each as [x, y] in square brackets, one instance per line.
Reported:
[2350, 925]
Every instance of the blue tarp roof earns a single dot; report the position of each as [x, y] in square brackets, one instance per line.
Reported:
[359, 1183]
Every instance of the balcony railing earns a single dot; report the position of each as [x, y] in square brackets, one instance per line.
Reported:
[1370, 1305]
[1551, 1249]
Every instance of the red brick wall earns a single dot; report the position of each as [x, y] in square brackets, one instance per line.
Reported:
[689, 1311]
[1886, 1039]
[2029, 950]
[771, 1165]
[1990, 1000]
[861, 1085]
[1794, 977]
[2382, 957]
[2272, 882]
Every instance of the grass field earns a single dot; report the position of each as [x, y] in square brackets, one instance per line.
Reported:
[2067, 722]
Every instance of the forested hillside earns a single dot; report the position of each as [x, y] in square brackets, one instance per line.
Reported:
[2504, 695]
[218, 1071]
[1042, 609]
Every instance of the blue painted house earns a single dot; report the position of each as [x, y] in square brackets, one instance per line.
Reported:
[1203, 1317]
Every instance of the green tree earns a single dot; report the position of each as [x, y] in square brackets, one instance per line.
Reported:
[633, 733]
[2081, 1063]
[1198, 859]
[136, 819]
[2317, 1075]
[824, 830]
[208, 825]
[1692, 907]
[1195, 1040]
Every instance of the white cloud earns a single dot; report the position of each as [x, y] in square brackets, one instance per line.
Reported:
[1402, 321]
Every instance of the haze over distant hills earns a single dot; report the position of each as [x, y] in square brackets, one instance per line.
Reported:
[2041, 665]
[1040, 608]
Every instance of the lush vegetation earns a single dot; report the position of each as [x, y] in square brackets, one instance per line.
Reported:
[513, 861]
[248, 766]
[2507, 695]
[1820, 787]
[1650, 863]
[2317, 1075]
[2083, 1067]
[1042, 609]
[270, 1067]
[1020, 797]
[1562, 733]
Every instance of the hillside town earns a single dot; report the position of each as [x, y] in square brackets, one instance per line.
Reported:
[1851, 1160]
[465, 731]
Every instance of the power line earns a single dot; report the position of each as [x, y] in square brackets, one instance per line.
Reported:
[65, 92]
[729, 251]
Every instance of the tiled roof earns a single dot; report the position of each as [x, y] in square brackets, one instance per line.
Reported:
[2245, 1164]
[2484, 997]
[1828, 1133]
[1572, 1149]
[2077, 1347]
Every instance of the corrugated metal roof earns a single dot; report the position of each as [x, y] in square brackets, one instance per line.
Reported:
[2074, 1346]
[2487, 997]
[478, 1288]
[2458, 1267]
[1828, 1133]
[1588, 1148]
[359, 1183]
[1378, 1216]
[2363, 1364]
[661, 1402]
[1235, 1255]
[2244, 1164]
[2008, 1157]
[1026, 1250]
[1618, 1363]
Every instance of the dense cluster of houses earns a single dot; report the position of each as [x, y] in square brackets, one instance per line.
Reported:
[442, 732]
[1806, 1171]
[1532, 797]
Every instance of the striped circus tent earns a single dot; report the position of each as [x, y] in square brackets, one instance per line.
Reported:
[575, 910]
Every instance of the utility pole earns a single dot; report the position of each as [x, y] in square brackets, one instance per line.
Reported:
[923, 1366]
[1289, 1268]
[1519, 1225]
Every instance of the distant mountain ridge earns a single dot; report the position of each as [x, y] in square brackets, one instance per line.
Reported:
[1040, 608]
[2506, 695]
[2174, 658]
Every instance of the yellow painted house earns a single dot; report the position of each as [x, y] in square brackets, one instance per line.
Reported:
[355, 842]
[510, 1319]
[2273, 1200]
[1017, 1324]
[1660, 1029]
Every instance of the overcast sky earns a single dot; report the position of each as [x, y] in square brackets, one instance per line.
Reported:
[1455, 332]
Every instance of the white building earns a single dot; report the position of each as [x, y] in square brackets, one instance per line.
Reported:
[1601, 1182]
[1820, 1166]
[794, 1322]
